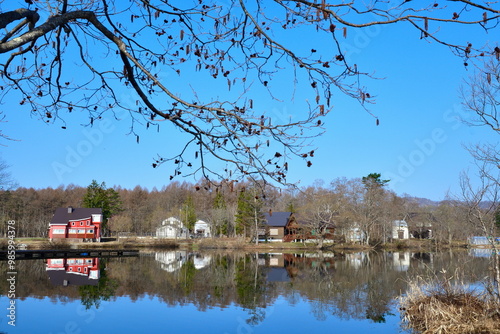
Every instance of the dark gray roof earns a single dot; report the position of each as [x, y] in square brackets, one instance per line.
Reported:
[279, 219]
[62, 216]
[62, 277]
[277, 275]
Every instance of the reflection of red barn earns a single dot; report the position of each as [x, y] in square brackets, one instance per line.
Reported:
[76, 223]
[73, 271]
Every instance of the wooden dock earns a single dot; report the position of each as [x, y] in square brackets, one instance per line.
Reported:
[68, 253]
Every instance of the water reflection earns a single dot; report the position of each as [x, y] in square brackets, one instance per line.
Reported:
[171, 261]
[73, 271]
[357, 287]
[85, 274]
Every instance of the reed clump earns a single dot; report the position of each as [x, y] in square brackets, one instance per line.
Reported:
[448, 306]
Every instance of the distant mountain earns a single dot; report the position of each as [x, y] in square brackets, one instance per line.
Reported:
[427, 202]
[423, 201]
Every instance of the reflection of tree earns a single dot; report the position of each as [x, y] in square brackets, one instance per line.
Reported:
[257, 315]
[378, 300]
[92, 295]
[186, 276]
[331, 285]
[250, 288]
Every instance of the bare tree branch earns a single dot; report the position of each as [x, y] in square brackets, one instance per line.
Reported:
[149, 46]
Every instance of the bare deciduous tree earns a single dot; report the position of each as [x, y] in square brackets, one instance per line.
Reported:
[482, 203]
[6, 180]
[481, 97]
[132, 58]
[321, 213]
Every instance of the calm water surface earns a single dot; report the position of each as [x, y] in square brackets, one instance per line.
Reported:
[213, 292]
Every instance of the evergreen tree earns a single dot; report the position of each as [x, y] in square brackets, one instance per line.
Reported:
[108, 199]
[248, 213]
[290, 207]
[219, 201]
[188, 213]
[220, 214]
[373, 221]
[244, 213]
[373, 180]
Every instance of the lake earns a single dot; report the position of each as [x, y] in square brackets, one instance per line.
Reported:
[222, 292]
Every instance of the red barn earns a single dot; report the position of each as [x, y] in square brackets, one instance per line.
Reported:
[76, 223]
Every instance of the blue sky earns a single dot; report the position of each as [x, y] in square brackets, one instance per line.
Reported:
[418, 144]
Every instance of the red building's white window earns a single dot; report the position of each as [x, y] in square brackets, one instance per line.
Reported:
[58, 231]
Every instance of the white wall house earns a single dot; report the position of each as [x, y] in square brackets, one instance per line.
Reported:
[172, 228]
[400, 230]
[354, 234]
[202, 229]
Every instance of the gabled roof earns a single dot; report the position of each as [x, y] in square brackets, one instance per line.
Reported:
[62, 215]
[278, 275]
[172, 221]
[278, 219]
[62, 277]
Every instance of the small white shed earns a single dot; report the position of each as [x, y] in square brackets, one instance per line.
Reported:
[400, 230]
[202, 229]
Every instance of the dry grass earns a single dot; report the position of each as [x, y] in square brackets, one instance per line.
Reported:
[148, 243]
[221, 243]
[444, 307]
[55, 244]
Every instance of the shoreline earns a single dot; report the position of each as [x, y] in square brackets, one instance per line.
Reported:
[226, 244]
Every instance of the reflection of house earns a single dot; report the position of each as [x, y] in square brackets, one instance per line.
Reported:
[276, 260]
[201, 261]
[482, 241]
[401, 260]
[277, 274]
[171, 261]
[171, 228]
[423, 260]
[481, 252]
[76, 223]
[202, 229]
[356, 259]
[73, 271]
[400, 230]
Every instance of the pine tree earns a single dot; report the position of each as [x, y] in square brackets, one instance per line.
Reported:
[188, 213]
[248, 213]
[219, 212]
[244, 213]
[107, 199]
